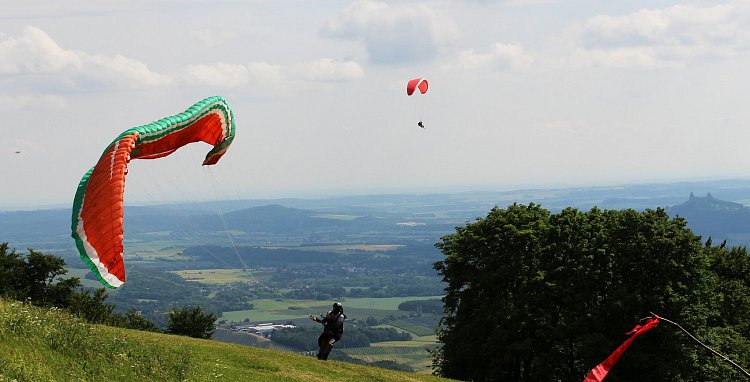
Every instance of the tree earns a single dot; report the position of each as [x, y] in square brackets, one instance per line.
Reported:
[90, 307]
[492, 272]
[135, 320]
[36, 278]
[535, 296]
[11, 274]
[191, 322]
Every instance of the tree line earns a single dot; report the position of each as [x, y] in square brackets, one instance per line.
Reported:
[537, 296]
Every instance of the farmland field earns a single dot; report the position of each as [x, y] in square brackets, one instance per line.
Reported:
[412, 353]
[343, 248]
[284, 309]
[216, 276]
[417, 356]
[410, 326]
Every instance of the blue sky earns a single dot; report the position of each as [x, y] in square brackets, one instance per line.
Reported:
[522, 94]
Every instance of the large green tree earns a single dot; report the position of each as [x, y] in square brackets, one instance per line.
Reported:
[536, 296]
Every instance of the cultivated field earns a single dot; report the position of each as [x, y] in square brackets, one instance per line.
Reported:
[217, 276]
[413, 353]
[284, 309]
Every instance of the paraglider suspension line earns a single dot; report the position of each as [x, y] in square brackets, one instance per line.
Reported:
[722, 356]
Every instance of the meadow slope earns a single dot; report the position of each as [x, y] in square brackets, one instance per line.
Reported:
[50, 345]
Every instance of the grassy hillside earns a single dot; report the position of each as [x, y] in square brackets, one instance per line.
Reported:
[50, 345]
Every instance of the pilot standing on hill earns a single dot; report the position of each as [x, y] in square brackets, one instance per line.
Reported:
[333, 328]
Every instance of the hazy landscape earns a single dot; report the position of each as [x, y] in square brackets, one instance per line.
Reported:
[277, 261]
[387, 219]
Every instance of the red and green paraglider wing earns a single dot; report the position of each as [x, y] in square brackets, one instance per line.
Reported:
[97, 223]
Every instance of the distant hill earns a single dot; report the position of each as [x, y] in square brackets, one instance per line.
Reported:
[718, 219]
[276, 218]
[375, 219]
[35, 225]
[46, 345]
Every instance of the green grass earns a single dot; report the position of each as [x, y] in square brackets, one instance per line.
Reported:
[50, 345]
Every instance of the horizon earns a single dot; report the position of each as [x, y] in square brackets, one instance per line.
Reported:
[320, 196]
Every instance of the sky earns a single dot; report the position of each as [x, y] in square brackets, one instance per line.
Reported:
[523, 93]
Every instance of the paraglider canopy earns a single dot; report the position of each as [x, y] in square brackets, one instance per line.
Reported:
[417, 83]
[97, 219]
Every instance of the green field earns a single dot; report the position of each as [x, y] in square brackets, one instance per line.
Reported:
[412, 353]
[152, 246]
[338, 217]
[413, 328]
[284, 309]
[418, 357]
[217, 276]
[342, 248]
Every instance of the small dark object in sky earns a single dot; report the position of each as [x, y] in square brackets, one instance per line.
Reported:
[420, 124]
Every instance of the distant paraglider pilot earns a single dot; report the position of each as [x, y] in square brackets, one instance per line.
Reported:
[333, 328]
[417, 86]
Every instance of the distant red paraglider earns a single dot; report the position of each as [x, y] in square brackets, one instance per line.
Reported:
[417, 83]
[413, 85]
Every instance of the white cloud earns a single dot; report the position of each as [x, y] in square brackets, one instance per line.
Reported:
[624, 58]
[36, 59]
[35, 53]
[221, 75]
[122, 70]
[265, 77]
[326, 70]
[16, 102]
[393, 34]
[665, 38]
[500, 57]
